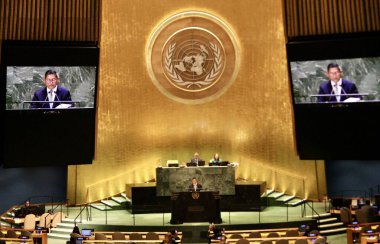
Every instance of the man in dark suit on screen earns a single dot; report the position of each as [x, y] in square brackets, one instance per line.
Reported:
[51, 92]
[336, 89]
[195, 186]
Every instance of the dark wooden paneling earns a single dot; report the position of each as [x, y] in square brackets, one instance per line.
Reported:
[50, 20]
[323, 17]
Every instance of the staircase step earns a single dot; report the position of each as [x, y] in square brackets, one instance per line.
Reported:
[277, 195]
[4, 224]
[61, 230]
[125, 196]
[66, 225]
[119, 200]
[295, 202]
[285, 198]
[333, 231]
[68, 220]
[269, 191]
[325, 226]
[58, 236]
[99, 206]
[327, 220]
[321, 215]
[110, 203]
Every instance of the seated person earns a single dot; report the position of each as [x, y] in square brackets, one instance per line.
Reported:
[171, 237]
[74, 235]
[195, 186]
[216, 160]
[215, 233]
[196, 160]
[27, 209]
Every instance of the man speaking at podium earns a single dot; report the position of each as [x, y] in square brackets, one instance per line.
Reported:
[337, 89]
[51, 92]
[195, 186]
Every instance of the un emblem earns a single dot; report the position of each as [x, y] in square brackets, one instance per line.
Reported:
[195, 195]
[192, 57]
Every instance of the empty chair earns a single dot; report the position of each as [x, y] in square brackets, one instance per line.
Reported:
[320, 240]
[118, 236]
[100, 236]
[152, 236]
[345, 215]
[366, 228]
[30, 222]
[56, 219]
[282, 242]
[254, 235]
[292, 233]
[314, 232]
[266, 242]
[370, 213]
[242, 241]
[45, 220]
[301, 241]
[361, 216]
[135, 236]
[11, 234]
[26, 233]
[236, 236]
[273, 234]
[377, 228]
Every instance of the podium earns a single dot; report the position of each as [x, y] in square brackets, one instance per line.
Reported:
[201, 206]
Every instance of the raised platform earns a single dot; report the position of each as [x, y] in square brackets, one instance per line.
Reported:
[248, 197]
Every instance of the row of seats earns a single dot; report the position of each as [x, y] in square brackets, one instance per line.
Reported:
[302, 240]
[260, 234]
[13, 234]
[366, 214]
[266, 236]
[46, 220]
[133, 236]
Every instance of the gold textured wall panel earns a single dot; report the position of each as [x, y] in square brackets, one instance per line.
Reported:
[138, 127]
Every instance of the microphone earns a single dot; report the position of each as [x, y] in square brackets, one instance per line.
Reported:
[331, 94]
[47, 98]
[56, 96]
[343, 89]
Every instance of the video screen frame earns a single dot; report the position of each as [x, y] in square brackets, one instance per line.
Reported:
[335, 130]
[65, 136]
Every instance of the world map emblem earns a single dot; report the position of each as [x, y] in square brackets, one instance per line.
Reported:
[193, 62]
[192, 57]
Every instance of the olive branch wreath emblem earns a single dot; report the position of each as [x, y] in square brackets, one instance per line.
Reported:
[171, 72]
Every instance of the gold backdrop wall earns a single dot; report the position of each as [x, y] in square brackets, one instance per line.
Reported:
[138, 127]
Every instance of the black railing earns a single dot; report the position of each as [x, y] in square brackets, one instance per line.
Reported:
[81, 209]
[313, 211]
[373, 190]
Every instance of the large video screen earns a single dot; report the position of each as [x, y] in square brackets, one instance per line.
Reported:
[311, 82]
[335, 85]
[48, 93]
[72, 87]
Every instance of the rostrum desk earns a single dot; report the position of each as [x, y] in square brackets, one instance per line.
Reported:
[201, 206]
